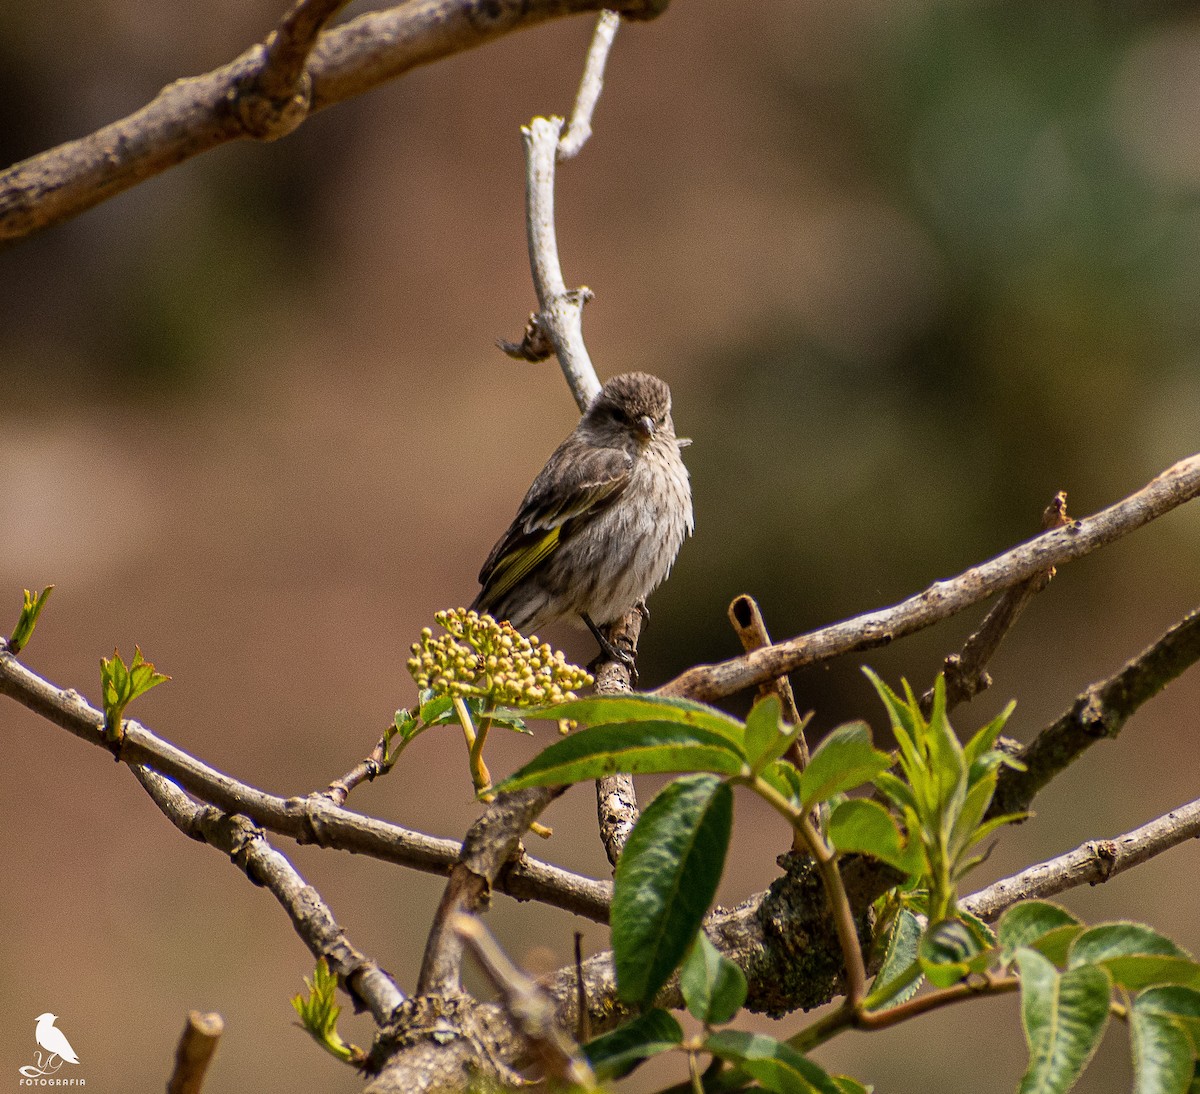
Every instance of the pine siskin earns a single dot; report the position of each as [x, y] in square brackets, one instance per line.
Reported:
[602, 522]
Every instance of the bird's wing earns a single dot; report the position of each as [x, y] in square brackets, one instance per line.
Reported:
[572, 483]
[53, 1040]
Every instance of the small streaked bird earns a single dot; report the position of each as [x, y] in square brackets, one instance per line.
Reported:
[53, 1040]
[602, 522]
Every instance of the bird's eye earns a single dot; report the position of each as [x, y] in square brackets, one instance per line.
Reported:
[617, 414]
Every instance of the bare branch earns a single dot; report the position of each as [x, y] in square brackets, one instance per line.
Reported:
[590, 86]
[943, 599]
[490, 842]
[1091, 863]
[560, 311]
[1097, 714]
[194, 1053]
[249, 849]
[966, 672]
[530, 1007]
[313, 819]
[278, 96]
[191, 116]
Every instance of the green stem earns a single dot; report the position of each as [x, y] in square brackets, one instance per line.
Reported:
[826, 860]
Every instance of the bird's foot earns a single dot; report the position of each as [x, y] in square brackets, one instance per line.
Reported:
[610, 651]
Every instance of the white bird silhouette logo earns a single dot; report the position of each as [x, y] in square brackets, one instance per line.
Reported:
[53, 1040]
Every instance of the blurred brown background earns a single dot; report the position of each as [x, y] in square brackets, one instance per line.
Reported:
[910, 268]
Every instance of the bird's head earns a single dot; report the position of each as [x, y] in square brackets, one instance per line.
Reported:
[47, 1017]
[632, 409]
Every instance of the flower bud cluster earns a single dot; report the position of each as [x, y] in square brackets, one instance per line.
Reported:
[480, 658]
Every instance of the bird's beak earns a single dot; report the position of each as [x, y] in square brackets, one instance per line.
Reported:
[645, 426]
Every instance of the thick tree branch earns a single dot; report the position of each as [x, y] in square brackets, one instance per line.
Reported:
[1091, 863]
[313, 819]
[1097, 714]
[247, 846]
[943, 599]
[192, 115]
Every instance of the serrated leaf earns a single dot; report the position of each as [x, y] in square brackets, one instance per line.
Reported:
[844, 759]
[597, 710]
[899, 976]
[1163, 1060]
[509, 718]
[436, 709]
[1064, 1017]
[865, 826]
[665, 880]
[631, 747]
[713, 987]
[1026, 923]
[774, 1065]
[616, 1054]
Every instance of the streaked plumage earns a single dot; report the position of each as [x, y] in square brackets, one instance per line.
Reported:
[604, 519]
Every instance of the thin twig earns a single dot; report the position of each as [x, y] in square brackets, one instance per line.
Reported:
[590, 86]
[1176, 485]
[312, 819]
[966, 671]
[1091, 863]
[365, 770]
[1097, 714]
[529, 1006]
[191, 116]
[277, 97]
[249, 849]
[194, 1053]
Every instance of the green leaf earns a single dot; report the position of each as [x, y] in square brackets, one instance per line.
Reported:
[784, 778]
[666, 879]
[848, 1085]
[1027, 923]
[1180, 1003]
[845, 759]
[1110, 940]
[950, 949]
[633, 747]
[508, 717]
[616, 1054]
[896, 790]
[899, 975]
[319, 1014]
[27, 620]
[768, 736]
[436, 709]
[120, 684]
[1064, 1017]
[1135, 955]
[979, 745]
[714, 988]
[597, 710]
[1163, 1058]
[773, 1064]
[863, 825]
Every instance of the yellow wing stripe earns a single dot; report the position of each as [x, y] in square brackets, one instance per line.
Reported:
[514, 566]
